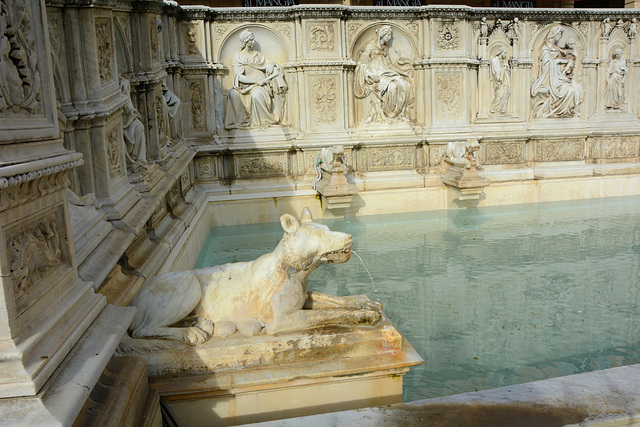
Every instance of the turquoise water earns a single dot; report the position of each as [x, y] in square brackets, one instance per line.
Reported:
[488, 297]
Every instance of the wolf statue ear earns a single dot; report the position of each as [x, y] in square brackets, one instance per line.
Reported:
[289, 223]
[305, 216]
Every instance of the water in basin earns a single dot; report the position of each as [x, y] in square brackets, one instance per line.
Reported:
[489, 297]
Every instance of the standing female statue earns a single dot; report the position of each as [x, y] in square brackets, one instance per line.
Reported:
[387, 82]
[615, 81]
[257, 98]
[555, 91]
[501, 77]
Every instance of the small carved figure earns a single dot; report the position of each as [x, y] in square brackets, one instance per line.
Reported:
[555, 91]
[501, 77]
[387, 82]
[606, 27]
[171, 103]
[133, 131]
[328, 159]
[616, 74]
[463, 153]
[515, 28]
[269, 293]
[258, 95]
[484, 28]
[192, 46]
[633, 28]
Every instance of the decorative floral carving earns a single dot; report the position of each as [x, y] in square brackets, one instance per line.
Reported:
[54, 39]
[414, 28]
[448, 95]
[174, 194]
[103, 36]
[558, 151]
[448, 36]
[352, 29]
[197, 105]
[153, 38]
[184, 180]
[615, 147]
[252, 166]
[162, 136]
[285, 29]
[34, 253]
[206, 167]
[220, 30]
[324, 99]
[391, 158]
[192, 46]
[321, 36]
[20, 85]
[504, 153]
[435, 155]
[114, 156]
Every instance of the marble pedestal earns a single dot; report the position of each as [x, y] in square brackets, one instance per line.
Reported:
[466, 181]
[240, 379]
[336, 191]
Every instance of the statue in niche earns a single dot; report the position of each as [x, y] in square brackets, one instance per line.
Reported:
[501, 78]
[388, 83]
[484, 28]
[556, 93]
[616, 74]
[170, 105]
[633, 28]
[258, 95]
[606, 27]
[267, 295]
[133, 132]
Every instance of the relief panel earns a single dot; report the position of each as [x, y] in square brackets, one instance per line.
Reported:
[615, 147]
[559, 151]
[395, 158]
[115, 158]
[251, 166]
[324, 99]
[206, 167]
[105, 48]
[499, 153]
[197, 105]
[322, 36]
[448, 94]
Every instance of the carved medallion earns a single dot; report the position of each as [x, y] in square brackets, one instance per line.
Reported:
[448, 95]
[263, 165]
[20, 85]
[321, 36]
[324, 93]
[447, 36]
[103, 36]
[206, 167]
[197, 105]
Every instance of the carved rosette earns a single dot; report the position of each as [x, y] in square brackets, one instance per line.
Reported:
[504, 153]
[615, 147]
[114, 154]
[559, 151]
[197, 105]
[324, 93]
[206, 167]
[322, 36]
[448, 38]
[20, 82]
[105, 48]
[391, 158]
[184, 180]
[220, 30]
[448, 87]
[249, 166]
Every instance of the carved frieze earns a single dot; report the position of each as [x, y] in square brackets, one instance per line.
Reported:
[20, 82]
[448, 38]
[559, 151]
[105, 48]
[206, 167]
[114, 153]
[19, 189]
[160, 117]
[615, 147]
[153, 38]
[393, 158]
[248, 166]
[498, 153]
[448, 93]
[322, 36]
[55, 33]
[435, 155]
[324, 95]
[197, 105]
[184, 180]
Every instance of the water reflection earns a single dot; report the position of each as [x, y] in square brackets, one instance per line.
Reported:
[489, 297]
